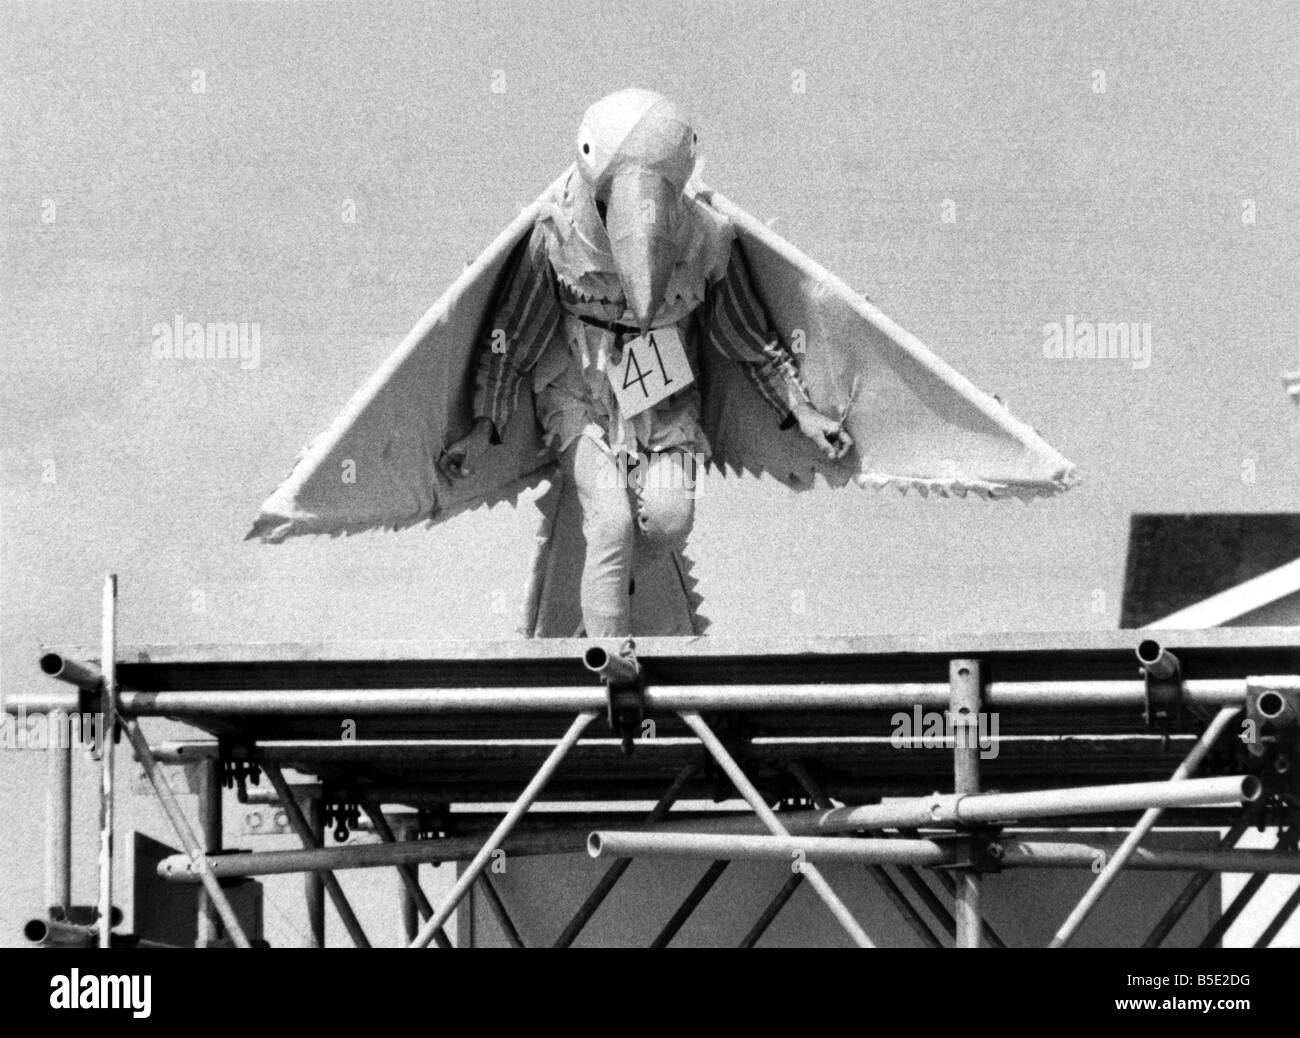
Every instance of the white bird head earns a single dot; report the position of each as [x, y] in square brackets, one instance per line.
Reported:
[636, 151]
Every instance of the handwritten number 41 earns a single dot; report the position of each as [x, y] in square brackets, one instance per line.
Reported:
[641, 376]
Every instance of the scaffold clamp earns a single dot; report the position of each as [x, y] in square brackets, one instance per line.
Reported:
[974, 850]
[237, 766]
[624, 689]
[344, 814]
[1273, 719]
[1163, 677]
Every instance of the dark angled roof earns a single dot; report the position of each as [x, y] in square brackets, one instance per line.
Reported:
[1177, 560]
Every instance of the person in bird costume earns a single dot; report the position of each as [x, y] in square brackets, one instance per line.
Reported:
[622, 283]
[628, 328]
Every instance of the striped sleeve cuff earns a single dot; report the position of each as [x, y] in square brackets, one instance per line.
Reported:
[738, 326]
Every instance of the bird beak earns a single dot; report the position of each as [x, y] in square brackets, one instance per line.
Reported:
[640, 218]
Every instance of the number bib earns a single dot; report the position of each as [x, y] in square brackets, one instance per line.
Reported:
[653, 367]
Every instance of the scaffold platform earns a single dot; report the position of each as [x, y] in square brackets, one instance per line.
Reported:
[939, 754]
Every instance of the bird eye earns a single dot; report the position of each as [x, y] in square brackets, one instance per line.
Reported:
[586, 148]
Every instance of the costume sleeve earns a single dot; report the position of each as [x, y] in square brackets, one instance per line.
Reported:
[525, 315]
[736, 323]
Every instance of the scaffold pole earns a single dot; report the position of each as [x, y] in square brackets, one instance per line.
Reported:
[208, 928]
[964, 677]
[313, 886]
[58, 831]
[108, 663]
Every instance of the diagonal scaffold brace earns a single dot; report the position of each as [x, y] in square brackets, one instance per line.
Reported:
[1286, 843]
[171, 807]
[773, 909]
[1144, 825]
[690, 903]
[507, 824]
[768, 817]
[409, 874]
[1164, 926]
[500, 912]
[614, 873]
[888, 887]
[305, 834]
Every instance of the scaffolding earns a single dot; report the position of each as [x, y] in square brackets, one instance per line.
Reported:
[818, 737]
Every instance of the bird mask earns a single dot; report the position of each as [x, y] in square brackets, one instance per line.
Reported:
[636, 151]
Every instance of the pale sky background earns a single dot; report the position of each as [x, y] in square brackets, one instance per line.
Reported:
[1125, 205]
